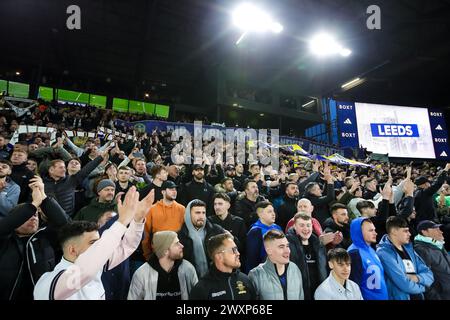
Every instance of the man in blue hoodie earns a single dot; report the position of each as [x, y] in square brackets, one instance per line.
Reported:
[367, 269]
[407, 276]
[256, 253]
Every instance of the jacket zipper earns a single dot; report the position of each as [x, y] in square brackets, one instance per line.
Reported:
[17, 280]
[32, 251]
[231, 289]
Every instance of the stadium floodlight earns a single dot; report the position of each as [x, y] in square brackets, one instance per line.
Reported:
[17, 73]
[250, 18]
[309, 103]
[324, 45]
[351, 83]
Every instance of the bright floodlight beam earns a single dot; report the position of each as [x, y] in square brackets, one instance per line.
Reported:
[350, 83]
[324, 45]
[250, 18]
[309, 103]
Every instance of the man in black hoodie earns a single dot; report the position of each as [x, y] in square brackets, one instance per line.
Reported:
[288, 208]
[224, 281]
[20, 174]
[198, 188]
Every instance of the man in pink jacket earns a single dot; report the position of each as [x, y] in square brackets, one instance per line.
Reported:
[86, 255]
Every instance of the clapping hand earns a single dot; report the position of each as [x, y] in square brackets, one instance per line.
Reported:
[143, 207]
[128, 207]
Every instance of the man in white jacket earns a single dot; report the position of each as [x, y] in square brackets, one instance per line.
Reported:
[166, 275]
[86, 255]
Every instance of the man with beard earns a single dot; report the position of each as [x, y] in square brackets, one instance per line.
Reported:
[194, 233]
[166, 276]
[106, 190]
[165, 215]
[224, 281]
[140, 167]
[288, 208]
[277, 278]
[199, 189]
[339, 223]
[9, 190]
[245, 207]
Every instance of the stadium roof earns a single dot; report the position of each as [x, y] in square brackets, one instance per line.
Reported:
[129, 46]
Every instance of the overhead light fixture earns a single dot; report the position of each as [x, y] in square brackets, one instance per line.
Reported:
[239, 106]
[250, 18]
[351, 83]
[147, 95]
[261, 114]
[324, 45]
[309, 103]
[17, 73]
[235, 104]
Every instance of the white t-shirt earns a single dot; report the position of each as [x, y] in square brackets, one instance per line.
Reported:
[45, 287]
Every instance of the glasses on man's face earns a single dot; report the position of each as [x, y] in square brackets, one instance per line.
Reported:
[234, 250]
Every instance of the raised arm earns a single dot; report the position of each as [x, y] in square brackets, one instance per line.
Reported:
[107, 248]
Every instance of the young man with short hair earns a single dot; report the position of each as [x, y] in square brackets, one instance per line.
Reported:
[85, 255]
[338, 286]
[277, 278]
[235, 225]
[308, 253]
[407, 276]
[256, 252]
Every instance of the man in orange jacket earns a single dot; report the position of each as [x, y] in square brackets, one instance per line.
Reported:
[164, 215]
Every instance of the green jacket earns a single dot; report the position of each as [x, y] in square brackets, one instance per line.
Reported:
[94, 210]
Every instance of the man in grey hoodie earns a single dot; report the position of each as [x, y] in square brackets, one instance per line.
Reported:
[194, 233]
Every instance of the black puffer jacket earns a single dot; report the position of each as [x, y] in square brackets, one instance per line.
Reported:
[63, 190]
[439, 262]
[298, 257]
[217, 285]
[35, 254]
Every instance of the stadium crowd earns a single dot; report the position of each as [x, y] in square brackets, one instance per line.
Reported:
[90, 218]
